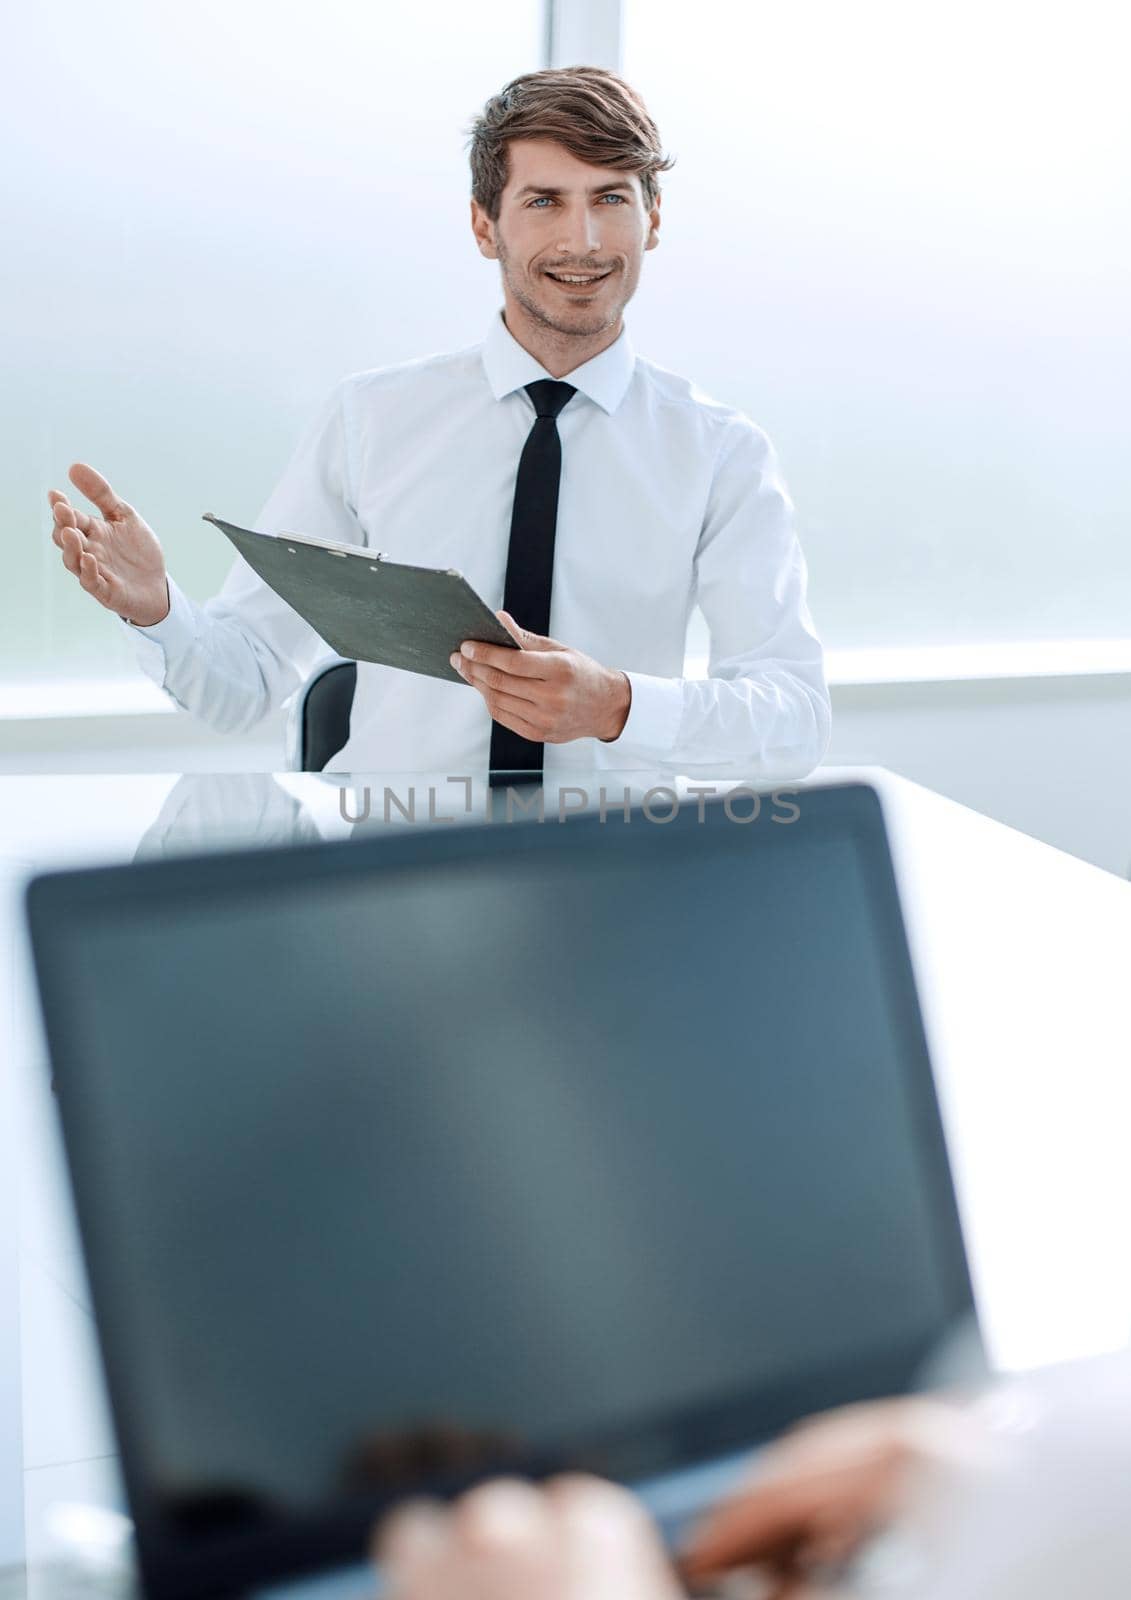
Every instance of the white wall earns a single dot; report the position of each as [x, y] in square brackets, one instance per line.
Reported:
[1049, 756]
[215, 213]
[897, 234]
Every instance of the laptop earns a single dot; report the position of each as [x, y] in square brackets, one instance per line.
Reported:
[402, 1161]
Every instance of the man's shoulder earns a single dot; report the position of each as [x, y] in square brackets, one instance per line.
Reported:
[422, 373]
[674, 395]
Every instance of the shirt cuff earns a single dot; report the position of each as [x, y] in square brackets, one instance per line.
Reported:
[156, 646]
[654, 715]
[176, 631]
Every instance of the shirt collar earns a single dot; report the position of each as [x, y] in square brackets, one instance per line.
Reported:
[603, 379]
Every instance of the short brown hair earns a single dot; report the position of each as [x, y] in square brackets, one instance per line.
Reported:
[593, 113]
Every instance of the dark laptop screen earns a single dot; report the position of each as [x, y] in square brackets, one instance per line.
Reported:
[401, 1159]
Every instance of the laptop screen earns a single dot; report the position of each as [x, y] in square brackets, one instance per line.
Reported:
[402, 1160]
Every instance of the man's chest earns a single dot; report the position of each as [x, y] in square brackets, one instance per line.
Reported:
[629, 516]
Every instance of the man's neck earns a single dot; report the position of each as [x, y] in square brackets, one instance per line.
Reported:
[559, 353]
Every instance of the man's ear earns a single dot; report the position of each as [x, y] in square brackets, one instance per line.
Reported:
[484, 230]
[653, 238]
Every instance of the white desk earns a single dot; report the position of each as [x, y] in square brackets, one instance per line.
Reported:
[1021, 954]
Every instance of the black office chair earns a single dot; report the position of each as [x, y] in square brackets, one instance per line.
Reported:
[321, 718]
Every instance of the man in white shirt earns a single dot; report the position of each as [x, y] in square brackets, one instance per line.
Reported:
[667, 499]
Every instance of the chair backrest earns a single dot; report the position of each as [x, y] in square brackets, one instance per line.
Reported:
[324, 714]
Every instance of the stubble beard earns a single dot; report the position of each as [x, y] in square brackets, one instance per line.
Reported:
[596, 321]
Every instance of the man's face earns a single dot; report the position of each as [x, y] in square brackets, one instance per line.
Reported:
[559, 219]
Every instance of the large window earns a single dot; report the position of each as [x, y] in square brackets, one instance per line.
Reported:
[898, 235]
[217, 211]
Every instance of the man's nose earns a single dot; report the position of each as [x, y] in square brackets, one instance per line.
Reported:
[580, 236]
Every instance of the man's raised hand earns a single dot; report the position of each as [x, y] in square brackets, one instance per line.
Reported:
[114, 554]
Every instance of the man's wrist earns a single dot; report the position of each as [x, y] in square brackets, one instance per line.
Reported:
[621, 701]
[153, 621]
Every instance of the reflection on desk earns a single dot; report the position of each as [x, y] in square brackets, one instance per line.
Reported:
[217, 810]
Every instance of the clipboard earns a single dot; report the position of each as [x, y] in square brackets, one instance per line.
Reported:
[367, 607]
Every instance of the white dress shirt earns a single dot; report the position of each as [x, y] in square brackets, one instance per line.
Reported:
[667, 499]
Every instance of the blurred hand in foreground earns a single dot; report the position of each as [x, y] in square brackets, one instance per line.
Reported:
[825, 1488]
[812, 1501]
[579, 1538]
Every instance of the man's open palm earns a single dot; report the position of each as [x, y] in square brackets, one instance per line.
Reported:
[113, 553]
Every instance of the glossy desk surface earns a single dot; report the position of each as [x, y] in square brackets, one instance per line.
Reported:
[1021, 953]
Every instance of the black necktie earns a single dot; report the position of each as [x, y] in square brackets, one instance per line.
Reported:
[530, 562]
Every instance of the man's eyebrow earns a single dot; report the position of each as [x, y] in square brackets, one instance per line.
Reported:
[601, 188]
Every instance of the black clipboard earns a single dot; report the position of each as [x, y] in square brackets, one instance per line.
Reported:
[367, 607]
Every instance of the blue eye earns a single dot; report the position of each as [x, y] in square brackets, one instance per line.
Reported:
[536, 203]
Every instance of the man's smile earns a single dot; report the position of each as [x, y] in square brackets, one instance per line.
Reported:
[578, 280]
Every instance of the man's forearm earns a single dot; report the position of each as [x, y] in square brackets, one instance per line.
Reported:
[772, 722]
[211, 663]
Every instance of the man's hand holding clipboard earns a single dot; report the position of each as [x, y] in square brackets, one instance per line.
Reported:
[430, 620]
[545, 690]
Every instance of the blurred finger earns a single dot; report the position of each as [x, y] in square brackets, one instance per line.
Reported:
[95, 487]
[797, 1589]
[611, 1549]
[499, 1514]
[410, 1545]
[763, 1524]
[505, 1545]
[835, 1544]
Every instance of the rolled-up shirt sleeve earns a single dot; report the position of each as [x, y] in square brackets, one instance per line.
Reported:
[240, 654]
[764, 706]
